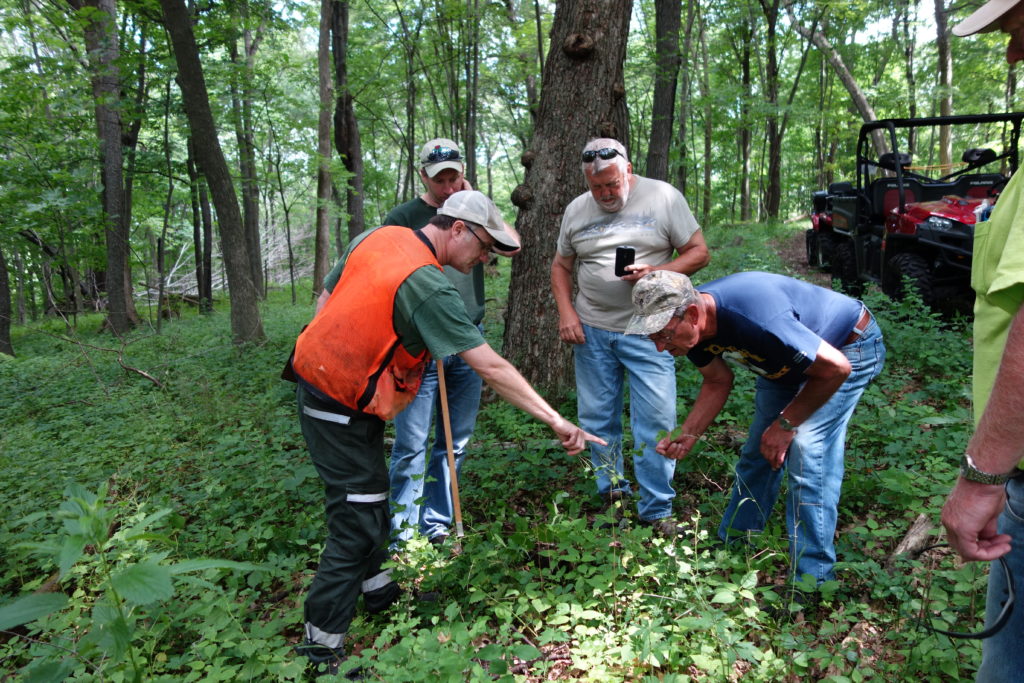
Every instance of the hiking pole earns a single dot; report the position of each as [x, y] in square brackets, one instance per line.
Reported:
[452, 472]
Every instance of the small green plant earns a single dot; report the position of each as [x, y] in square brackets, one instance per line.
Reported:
[118, 578]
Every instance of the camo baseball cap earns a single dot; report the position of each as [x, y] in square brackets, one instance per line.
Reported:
[656, 296]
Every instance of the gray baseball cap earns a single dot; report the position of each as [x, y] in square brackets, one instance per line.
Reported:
[440, 154]
[656, 296]
[476, 207]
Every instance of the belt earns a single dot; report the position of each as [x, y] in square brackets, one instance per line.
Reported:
[858, 329]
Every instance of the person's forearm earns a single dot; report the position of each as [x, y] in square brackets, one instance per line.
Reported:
[509, 384]
[815, 393]
[687, 263]
[514, 388]
[561, 289]
[998, 443]
[710, 400]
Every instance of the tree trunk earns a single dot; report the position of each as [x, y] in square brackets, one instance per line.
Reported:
[705, 85]
[773, 191]
[246, 325]
[471, 63]
[23, 290]
[860, 100]
[582, 96]
[945, 83]
[101, 40]
[744, 38]
[241, 102]
[197, 221]
[685, 111]
[322, 261]
[909, 40]
[346, 128]
[5, 308]
[666, 64]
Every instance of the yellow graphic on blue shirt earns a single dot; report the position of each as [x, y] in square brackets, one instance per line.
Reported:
[747, 358]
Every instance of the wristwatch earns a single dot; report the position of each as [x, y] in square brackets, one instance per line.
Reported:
[785, 424]
[971, 473]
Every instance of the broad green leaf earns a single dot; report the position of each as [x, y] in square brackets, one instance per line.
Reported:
[489, 653]
[70, 551]
[725, 597]
[29, 608]
[143, 583]
[110, 631]
[210, 563]
[47, 672]
[524, 651]
[139, 529]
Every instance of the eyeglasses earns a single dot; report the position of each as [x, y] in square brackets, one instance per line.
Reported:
[482, 243]
[1000, 621]
[439, 154]
[604, 153]
[666, 335]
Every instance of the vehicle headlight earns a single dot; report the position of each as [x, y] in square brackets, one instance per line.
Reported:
[937, 223]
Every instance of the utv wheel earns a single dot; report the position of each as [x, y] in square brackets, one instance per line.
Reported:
[912, 267]
[813, 252]
[844, 268]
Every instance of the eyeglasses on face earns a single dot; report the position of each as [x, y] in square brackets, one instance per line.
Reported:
[604, 153]
[666, 334]
[439, 154]
[482, 243]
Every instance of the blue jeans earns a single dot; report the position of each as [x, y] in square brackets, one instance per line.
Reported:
[814, 463]
[1002, 657]
[413, 477]
[601, 365]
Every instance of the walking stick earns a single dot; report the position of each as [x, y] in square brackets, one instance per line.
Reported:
[452, 472]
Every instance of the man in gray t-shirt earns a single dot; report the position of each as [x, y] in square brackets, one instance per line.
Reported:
[653, 217]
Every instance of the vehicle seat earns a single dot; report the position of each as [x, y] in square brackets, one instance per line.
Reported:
[977, 185]
[885, 195]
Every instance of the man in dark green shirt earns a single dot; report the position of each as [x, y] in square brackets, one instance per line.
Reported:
[414, 477]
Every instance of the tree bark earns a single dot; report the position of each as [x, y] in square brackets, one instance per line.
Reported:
[945, 83]
[346, 128]
[246, 325]
[101, 40]
[909, 40]
[322, 262]
[667, 16]
[582, 96]
[773, 191]
[682, 170]
[5, 308]
[241, 102]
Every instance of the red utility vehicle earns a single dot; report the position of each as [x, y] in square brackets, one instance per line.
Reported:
[896, 222]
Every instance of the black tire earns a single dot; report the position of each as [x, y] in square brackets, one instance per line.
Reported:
[911, 266]
[844, 268]
[813, 253]
[826, 248]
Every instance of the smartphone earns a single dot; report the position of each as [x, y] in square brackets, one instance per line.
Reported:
[624, 256]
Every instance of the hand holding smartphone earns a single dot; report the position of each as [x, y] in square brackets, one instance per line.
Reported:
[624, 256]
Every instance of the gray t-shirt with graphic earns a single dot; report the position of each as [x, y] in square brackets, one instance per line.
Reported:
[656, 221]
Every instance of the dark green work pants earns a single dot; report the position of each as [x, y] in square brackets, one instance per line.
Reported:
[348, 452]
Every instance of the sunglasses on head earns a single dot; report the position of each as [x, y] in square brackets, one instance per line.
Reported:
[443, 154]
[604, 153]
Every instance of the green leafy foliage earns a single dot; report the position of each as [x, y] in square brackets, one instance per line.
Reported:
[167, 530]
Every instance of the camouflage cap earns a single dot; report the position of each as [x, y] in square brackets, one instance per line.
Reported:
[656, 296]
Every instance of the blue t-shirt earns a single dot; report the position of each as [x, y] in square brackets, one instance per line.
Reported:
[774, 324]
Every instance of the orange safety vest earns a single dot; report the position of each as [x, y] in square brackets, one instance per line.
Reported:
[351, 351]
